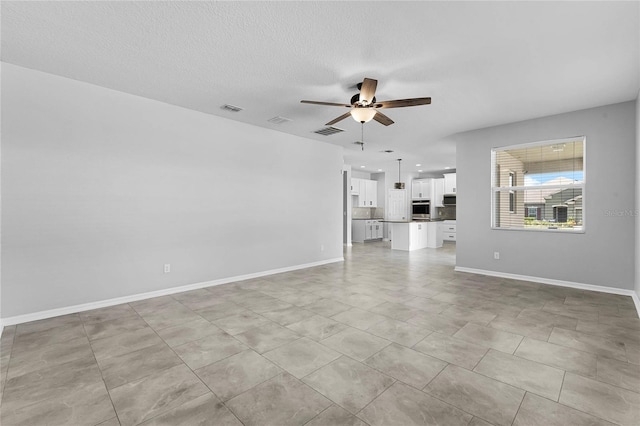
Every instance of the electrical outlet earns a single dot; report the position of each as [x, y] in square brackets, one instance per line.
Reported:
[167, 268]
[496, 255]
[321, 247]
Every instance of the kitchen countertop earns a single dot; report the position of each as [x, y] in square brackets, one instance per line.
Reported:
[379, 219]
[411, 221]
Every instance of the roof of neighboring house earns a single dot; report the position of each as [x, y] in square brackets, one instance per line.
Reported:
[539, 196]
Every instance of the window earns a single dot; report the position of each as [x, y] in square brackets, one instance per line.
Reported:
[539, 186]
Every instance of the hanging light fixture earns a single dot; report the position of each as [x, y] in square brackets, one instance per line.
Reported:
[363, 114]
[398, 184]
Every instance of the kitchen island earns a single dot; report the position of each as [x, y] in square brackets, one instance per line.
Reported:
[415, 235]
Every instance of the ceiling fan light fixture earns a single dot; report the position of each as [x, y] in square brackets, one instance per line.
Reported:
[363, 115]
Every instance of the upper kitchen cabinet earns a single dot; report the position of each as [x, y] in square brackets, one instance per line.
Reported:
[367, 192]
[355, 186]
[437, 192]
[450, 183]
[371, 196]
[421, 189]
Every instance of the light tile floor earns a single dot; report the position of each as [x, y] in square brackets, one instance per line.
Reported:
[385, 338]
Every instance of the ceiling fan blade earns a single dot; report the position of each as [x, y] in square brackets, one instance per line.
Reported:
[368, 90]
[325, 103]
[335, 120]
[382, 119]
[398, 103]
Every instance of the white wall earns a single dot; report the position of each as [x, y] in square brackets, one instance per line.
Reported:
[604, 254]
[101, 189]
[357, 174]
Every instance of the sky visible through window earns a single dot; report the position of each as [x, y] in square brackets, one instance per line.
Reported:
[549, 178]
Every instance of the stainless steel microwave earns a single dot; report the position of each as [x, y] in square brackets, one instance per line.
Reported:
[449, 200]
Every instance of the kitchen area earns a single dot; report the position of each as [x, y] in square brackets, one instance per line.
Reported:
[421, 216]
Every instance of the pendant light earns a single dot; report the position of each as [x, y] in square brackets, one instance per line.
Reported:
[398, 184]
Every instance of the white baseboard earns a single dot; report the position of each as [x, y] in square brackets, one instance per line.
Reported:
[560, 283]
[19, 319]
[636, 302]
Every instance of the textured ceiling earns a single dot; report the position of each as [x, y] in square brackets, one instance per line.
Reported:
[483, 63]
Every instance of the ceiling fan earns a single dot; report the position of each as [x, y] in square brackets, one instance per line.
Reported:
[364, 107]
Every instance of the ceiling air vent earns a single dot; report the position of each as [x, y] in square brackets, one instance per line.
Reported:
[328, 131]
[231, 108]
[278, 120]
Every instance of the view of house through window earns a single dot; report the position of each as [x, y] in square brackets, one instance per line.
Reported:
[539, 186]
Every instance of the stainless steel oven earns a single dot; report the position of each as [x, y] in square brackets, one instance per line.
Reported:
[421, 209]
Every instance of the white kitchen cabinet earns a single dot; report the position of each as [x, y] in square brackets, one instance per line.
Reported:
[437, 192]
[362, 202]
[450, 183]
[421, 189]
[415, 235]
[365, 229]
[355, 186]
[409, 236]
[377, 231]
[371, 193]
[434, 235]
[368, 230]
[449, 230]
[367, 192]
[358, 227]
[419, 235]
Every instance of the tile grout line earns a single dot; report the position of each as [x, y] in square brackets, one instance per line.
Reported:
[354, 360]
[568, 406]
[519, 406]
[318, 415]
[375, 398]
[101, 375]
[443, 401]
[561, 386]
[6, 378]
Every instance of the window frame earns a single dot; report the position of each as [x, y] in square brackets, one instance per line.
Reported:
[512, 193]
[495, 190]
